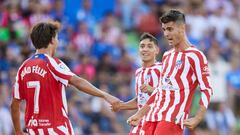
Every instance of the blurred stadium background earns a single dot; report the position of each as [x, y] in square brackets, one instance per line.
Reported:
[99, 42]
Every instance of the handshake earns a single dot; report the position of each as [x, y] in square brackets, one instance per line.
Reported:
[117, 105]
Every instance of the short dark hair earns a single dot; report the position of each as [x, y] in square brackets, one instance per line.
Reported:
[42, 34]
[149, 36]
[173, 16]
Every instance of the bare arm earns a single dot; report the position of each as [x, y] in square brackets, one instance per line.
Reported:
[191, 123]
[86, 87]
[15, 113]
[136, 118]
[130, 105]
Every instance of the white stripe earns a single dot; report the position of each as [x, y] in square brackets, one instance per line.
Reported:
[64, 113]
[57, 67]
[16, 85]
[31, 132]
[63, 81]
[134, 130]
[64, 100]
[169, 66]
[138, 82]
[16, 89]
[198, 70]
[186, 90]
[70, 124]
[199, 77]
[51, 131]
[63, 129]
[160, 94]
[156, 105]
[165, 105]
[40, 132]
[204, 100]
[172, 108]
[176, 92]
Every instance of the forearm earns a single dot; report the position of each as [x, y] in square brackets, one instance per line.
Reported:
[200, 113]
[84, 86]
[130, 105]
[15, 114]
[143, 111]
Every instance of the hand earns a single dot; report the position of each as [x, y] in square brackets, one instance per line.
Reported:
[111, 99]
[20, 133]
[146, 88]
[134, 120]
[116, 106]
[191, 123]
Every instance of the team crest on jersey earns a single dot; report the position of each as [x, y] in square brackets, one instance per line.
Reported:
[178, 64]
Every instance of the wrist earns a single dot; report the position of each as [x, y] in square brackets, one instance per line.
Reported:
[198, 118]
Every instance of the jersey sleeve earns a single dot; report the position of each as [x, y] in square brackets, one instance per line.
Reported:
[17, 90]
[200, 67]
[60, 70]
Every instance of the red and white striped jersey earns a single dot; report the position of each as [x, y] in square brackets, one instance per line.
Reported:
[41, 82]
[182, 73]
[151, 76]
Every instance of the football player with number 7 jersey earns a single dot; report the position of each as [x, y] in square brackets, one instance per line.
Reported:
[41, 82]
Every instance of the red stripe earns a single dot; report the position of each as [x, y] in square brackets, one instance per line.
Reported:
[160, 103]
[172, 99]
[57, 60]
[137, 80]
[181, 86]
[151, 99]
[158, 75]
[151, 79]
[142, 77]
[166, 62]
[172, 95]
[204, 76]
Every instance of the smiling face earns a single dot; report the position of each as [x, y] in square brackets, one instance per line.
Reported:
[173, 32]
[148, 50]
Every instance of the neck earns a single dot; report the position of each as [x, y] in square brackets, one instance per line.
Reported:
[148, 63]
[44, 51]
[183, 45]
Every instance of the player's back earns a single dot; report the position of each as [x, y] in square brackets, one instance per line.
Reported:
[39, 85]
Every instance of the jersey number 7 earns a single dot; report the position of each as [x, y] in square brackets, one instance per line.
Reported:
[36, 86]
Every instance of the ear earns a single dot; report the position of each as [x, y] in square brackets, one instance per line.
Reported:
[183, 27]
[53, 41]
[158, 50]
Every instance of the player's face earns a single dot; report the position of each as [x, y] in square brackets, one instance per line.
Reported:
[173, 32]
[148, 50]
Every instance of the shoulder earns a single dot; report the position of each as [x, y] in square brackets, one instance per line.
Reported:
[138, 71]
[53, 60]
[157, 65]
[23, 64]
[168, 52]
[195, 54]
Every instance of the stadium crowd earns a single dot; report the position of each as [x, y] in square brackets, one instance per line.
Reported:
[99, 41]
